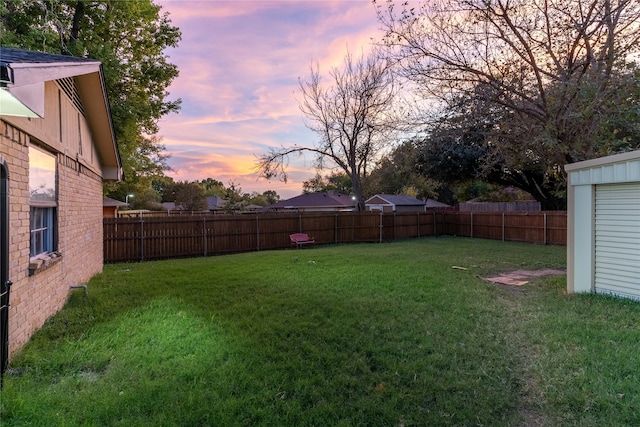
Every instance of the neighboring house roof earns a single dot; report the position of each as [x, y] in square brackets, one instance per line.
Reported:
[394, 199]
[109, 202]
[215, 203]
[318, 200]
[436, 204]
[22, 76]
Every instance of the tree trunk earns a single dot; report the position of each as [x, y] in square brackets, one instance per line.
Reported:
[77, 17]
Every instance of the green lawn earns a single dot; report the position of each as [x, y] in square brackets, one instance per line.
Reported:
[366, 334]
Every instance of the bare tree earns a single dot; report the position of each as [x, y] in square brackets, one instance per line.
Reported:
[554, 67]
[352, 118]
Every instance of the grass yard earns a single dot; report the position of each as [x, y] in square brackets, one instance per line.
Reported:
[354, 335]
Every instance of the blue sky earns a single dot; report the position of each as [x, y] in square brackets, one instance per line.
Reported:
[239, 65]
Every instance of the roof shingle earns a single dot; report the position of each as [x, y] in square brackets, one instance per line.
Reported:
[9, 55]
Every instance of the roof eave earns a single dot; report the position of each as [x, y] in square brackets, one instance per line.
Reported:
[99, 117]
[25, 82]
[26, 73]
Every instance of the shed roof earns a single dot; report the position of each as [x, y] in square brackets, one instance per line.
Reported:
[618, 168]
[614, 158]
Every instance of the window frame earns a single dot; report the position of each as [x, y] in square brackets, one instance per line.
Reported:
[43, 210]
[43, 235]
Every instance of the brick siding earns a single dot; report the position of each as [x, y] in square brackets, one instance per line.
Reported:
[34, 298]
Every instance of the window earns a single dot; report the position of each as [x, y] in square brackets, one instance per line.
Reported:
[42, 222]
[43, 198]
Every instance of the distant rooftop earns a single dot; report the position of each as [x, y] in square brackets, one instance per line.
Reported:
[316, 200]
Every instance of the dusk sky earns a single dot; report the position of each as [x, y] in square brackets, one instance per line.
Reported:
[239, 64]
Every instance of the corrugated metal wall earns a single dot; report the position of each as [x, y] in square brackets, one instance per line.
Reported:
[617, 239]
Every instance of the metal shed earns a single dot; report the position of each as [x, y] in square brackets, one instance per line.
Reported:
[603, 228]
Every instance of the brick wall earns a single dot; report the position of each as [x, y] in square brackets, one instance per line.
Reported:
[34, 298]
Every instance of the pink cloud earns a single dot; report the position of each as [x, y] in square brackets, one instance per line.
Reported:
[239, 65]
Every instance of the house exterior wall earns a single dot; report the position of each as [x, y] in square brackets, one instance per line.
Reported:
[582, 215]
[379, 207]
[110, 211]
[392, 203]
[410, 208]
[583, 177]
[37, 296]
[375, 200]
[70, 136]
[395, 208]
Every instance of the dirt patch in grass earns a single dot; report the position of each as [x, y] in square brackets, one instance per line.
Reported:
[522, 277]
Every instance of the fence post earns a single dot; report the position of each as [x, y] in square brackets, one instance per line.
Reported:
[418, 225]
[395, 226]
[257, 233]
[435, 227]
[335, 228]
[141, 238]
[204, 235]
[381, 226]
[545, 228]
[503, 226]
[353, 227]
[472, 225]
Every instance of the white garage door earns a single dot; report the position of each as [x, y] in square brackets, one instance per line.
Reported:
[617, 255]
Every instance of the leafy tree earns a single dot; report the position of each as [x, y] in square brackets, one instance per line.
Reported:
[144, 195]
[271, 197]
[351, 117]
[266, 198]
[315, 184]
[474, 139]
[163, 185]
[334, 182]
[555, 76]
[129, 37]
[399, 173]
[188, 196]
[473, 189]
[236, 200]
[213, 187]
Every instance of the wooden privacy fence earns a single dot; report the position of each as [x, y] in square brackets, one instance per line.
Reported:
[548, 228]
[150, 238]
